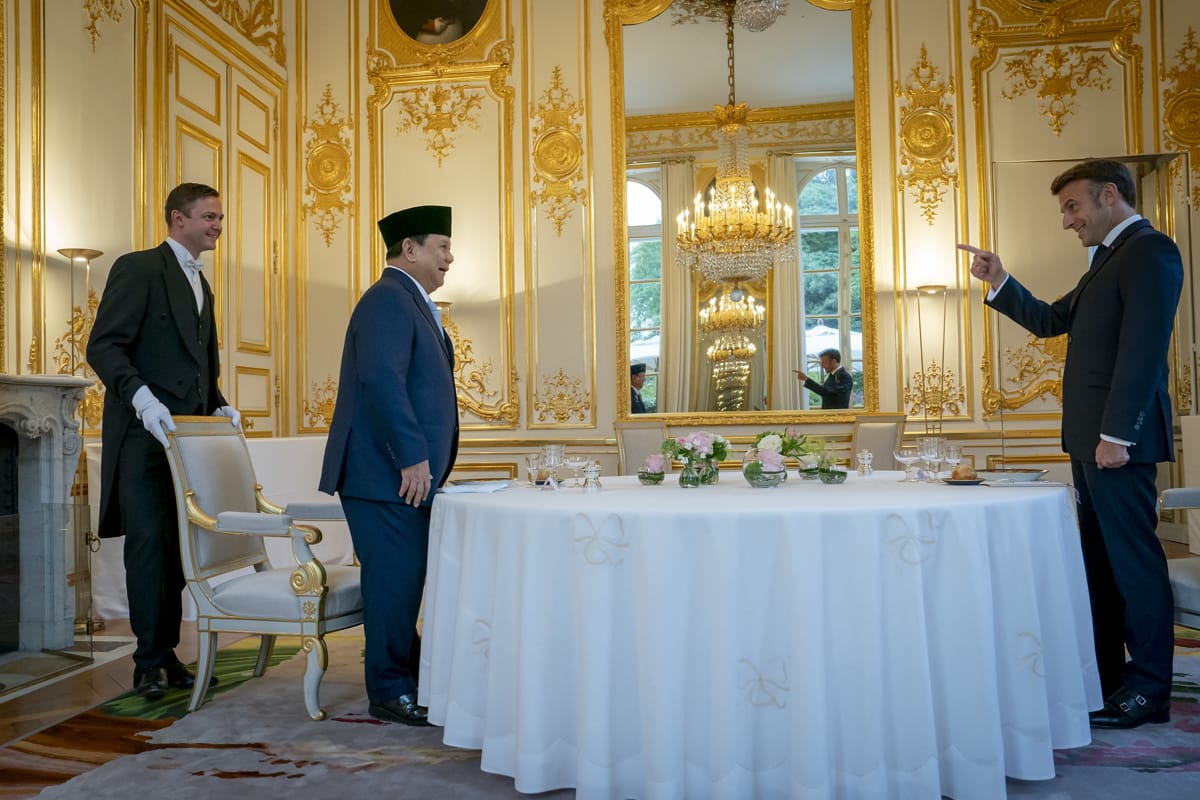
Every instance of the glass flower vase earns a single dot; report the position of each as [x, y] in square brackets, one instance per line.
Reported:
[756, 476]
[709, 474]
[689, 476]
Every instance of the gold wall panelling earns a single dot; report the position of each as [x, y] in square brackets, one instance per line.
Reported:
[471, 380]
[253, 256]
[1032, 370]
[327, 166]
[408, 42]
[1181, 105]
[562, 399]
[927, 142]
[253, 388]
[319, 405]
[438, 112]
[558, 152]
[828, 120]
[260, 21]
[1056, 75]
[97, 10]
[70, 359]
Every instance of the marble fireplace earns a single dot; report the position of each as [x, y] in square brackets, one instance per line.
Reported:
[39, 451]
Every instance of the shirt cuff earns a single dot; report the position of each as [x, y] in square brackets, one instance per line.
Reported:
[1115, 440]
[993, 292]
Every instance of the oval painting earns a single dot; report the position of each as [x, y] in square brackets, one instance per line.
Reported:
[437, 21]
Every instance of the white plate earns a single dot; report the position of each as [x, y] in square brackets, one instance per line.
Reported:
[1011, 475]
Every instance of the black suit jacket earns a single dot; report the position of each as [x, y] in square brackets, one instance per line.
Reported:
[835, 392]
[1118, 320]
[636, 406]
[148, 333]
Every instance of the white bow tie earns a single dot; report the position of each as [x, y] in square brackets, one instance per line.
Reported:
[195, 264]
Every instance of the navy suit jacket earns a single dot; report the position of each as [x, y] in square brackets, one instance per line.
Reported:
[1118, 320]
[835, 391]
[396, 403]
[148, 333]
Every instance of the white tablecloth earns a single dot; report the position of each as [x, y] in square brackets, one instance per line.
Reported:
[872, 639]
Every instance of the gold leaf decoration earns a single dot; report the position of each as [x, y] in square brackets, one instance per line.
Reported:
[560, 398]
[318, 408]
[70, 349]
[1181, 109]
[934, 392]
[471, 379]
[438, 112]
[1183, 389]
[557, 152]
[257, 20]
[1056, 74]
[926, 136]
[95, 10]
[327, 166]
[1037, 370]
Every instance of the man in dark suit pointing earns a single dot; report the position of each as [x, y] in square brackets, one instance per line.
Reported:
[1116, 423]
[154, 346]
[838, 384]
[392, 442]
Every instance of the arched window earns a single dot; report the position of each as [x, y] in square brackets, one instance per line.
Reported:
[827, 234]
[643, 200]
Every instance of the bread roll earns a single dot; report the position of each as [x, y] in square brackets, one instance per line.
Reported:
[964, 472]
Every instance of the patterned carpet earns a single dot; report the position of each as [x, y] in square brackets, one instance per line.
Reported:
[259, 742]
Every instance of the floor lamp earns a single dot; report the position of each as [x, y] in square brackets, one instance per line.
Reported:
[84, 537]
[930, 291]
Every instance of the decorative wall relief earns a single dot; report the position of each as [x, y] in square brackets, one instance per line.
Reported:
[557, 152]
[1034, 369]
[926, 136]
[319, 405]
[934, 392]
[1057, 74]
[821, 126]
[70, 357]
[260, 21]
[562, 399]
[95, 10]
[439, 111]
[471, 379]
[1181, 105]
[327, 166]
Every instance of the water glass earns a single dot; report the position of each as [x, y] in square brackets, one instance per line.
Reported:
[931, 454]
[533, 465]
[907, 455]
[865, 457]
[953, 455]
[552, 459]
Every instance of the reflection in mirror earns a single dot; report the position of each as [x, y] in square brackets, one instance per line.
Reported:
[734, 342]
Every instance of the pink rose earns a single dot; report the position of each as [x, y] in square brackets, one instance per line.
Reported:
[771, 460]
[655, 462]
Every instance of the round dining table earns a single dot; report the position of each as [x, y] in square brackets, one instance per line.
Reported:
[872, 639]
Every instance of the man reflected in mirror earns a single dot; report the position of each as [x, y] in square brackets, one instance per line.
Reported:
[637, 379]
[838, 384]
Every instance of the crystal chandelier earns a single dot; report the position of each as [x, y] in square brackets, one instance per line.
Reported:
[734, 236]
[734, 313]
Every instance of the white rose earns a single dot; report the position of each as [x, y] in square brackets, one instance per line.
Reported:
[771, 442]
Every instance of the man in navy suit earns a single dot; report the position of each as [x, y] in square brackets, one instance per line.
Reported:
[154, 346]
[1116, 423]
[839, 383]
[392, 442]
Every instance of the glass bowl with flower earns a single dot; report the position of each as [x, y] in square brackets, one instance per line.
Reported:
[699, 452]
[653, 469]
[764, 467]
[790, 444]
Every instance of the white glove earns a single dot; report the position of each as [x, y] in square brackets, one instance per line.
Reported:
[234, 415]
[154, 415]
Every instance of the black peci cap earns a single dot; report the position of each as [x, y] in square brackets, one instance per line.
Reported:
[414, 221]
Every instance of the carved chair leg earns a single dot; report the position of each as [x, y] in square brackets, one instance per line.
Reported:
[206, 657]
[314, 671]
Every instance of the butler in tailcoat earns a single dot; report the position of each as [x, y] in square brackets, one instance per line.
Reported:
[154, 346]
[1116, 423]
[392, 442]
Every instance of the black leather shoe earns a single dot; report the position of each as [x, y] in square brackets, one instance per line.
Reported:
[150, 684]
[403, 709]
[1128, 709]
[179, 678]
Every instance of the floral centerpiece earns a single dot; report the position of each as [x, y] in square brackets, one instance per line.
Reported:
[699, 452]
[653, 469]
[763, 467]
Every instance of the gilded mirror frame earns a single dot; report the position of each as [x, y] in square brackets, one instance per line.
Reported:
[619, 13]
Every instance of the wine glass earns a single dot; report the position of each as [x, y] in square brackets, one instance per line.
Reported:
[552, 459]
[953, 455]
[533, 464]
[908, 455]
[577, 462]
[931, 454]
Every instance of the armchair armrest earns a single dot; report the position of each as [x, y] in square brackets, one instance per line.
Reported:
[253, 522]
[316, 509]
[1184, 497]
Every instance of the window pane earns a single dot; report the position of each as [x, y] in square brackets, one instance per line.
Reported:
[855, 291]
[821, 294]
[650, 394]
[819, 195]
[643, 206]
[854, 248]
[852, 189]
[645, 309]
[819, 250]
[645, 260]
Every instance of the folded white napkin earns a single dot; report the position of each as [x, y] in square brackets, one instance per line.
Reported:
[475, 487]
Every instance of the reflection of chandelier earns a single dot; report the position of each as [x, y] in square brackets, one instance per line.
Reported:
[753, 15]
[734, 236]
[729, 314]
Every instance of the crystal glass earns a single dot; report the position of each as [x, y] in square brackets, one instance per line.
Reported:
[650, 478]
[952, 456]
[577, 462]
[552, 459]
[533, 465]
[908, 455]
[865, 457]
[931, 453]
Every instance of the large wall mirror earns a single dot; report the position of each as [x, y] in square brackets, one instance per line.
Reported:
[707, 349]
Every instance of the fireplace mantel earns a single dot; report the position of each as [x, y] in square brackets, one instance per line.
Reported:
[43, 410]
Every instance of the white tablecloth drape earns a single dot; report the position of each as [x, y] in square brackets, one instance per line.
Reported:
[871, 639]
